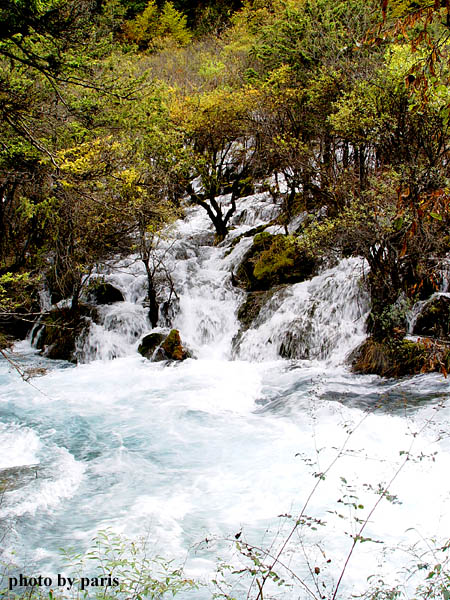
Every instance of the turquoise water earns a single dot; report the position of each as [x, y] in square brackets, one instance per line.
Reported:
[206, 448]
[228, 442]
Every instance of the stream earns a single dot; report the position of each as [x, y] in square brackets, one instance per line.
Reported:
[225, 443]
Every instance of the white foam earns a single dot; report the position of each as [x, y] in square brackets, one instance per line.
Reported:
[57, 482]
[19, 446]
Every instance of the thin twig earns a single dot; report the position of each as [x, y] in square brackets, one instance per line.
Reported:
[320, 478]
[23, 374]
[358, 536]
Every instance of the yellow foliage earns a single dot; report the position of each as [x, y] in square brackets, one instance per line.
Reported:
[152, 29]
[221, 111]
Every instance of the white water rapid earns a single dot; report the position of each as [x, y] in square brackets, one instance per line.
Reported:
[231, 439]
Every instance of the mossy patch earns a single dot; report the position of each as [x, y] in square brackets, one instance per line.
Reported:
[278, 258]
[272, 260]
[398, 357]
[173, 347]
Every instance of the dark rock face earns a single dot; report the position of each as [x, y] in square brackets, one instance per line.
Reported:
[17, 323]
[61, 329]
[434, 320]
[272, 260]
[158, 347]
[104, 293]
[15, 327]
[250, 309]
[150, 343]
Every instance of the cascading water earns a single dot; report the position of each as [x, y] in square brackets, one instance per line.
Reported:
[203, 448]
[314, 319]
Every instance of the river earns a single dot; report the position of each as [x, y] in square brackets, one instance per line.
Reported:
[226, 442]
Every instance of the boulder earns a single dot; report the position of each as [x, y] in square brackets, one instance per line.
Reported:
[434, 320]
[272, 260]
[150, 343]
[14, 478]
[158, 347]
[104, 293]
[60, 330]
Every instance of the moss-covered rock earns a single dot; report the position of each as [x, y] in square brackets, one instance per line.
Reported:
[272, 260]
[60, 330]
[398, 357]
[158, 346]
[434, 320]
[173, 347]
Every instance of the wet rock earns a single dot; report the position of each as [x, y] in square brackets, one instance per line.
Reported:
[434, 320]
[250, 309]
[150, 343]
[60, 330]
[293, 346]
[158, 347]
[173, 347]
[14, 478]
[272, 260]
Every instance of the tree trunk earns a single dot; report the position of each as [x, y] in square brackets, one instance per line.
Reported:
[153, 312]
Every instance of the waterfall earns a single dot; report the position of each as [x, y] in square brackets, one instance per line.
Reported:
[318, 319]
[443, 273]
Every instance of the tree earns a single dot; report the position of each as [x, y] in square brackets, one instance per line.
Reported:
[222, 150]
[149, 197]
[306, 55]
[62, 210]
[424, 24]
[153, 27]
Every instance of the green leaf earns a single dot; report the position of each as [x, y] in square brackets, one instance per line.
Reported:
[398, 223]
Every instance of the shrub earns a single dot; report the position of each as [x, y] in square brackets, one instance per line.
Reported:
[113, 568]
